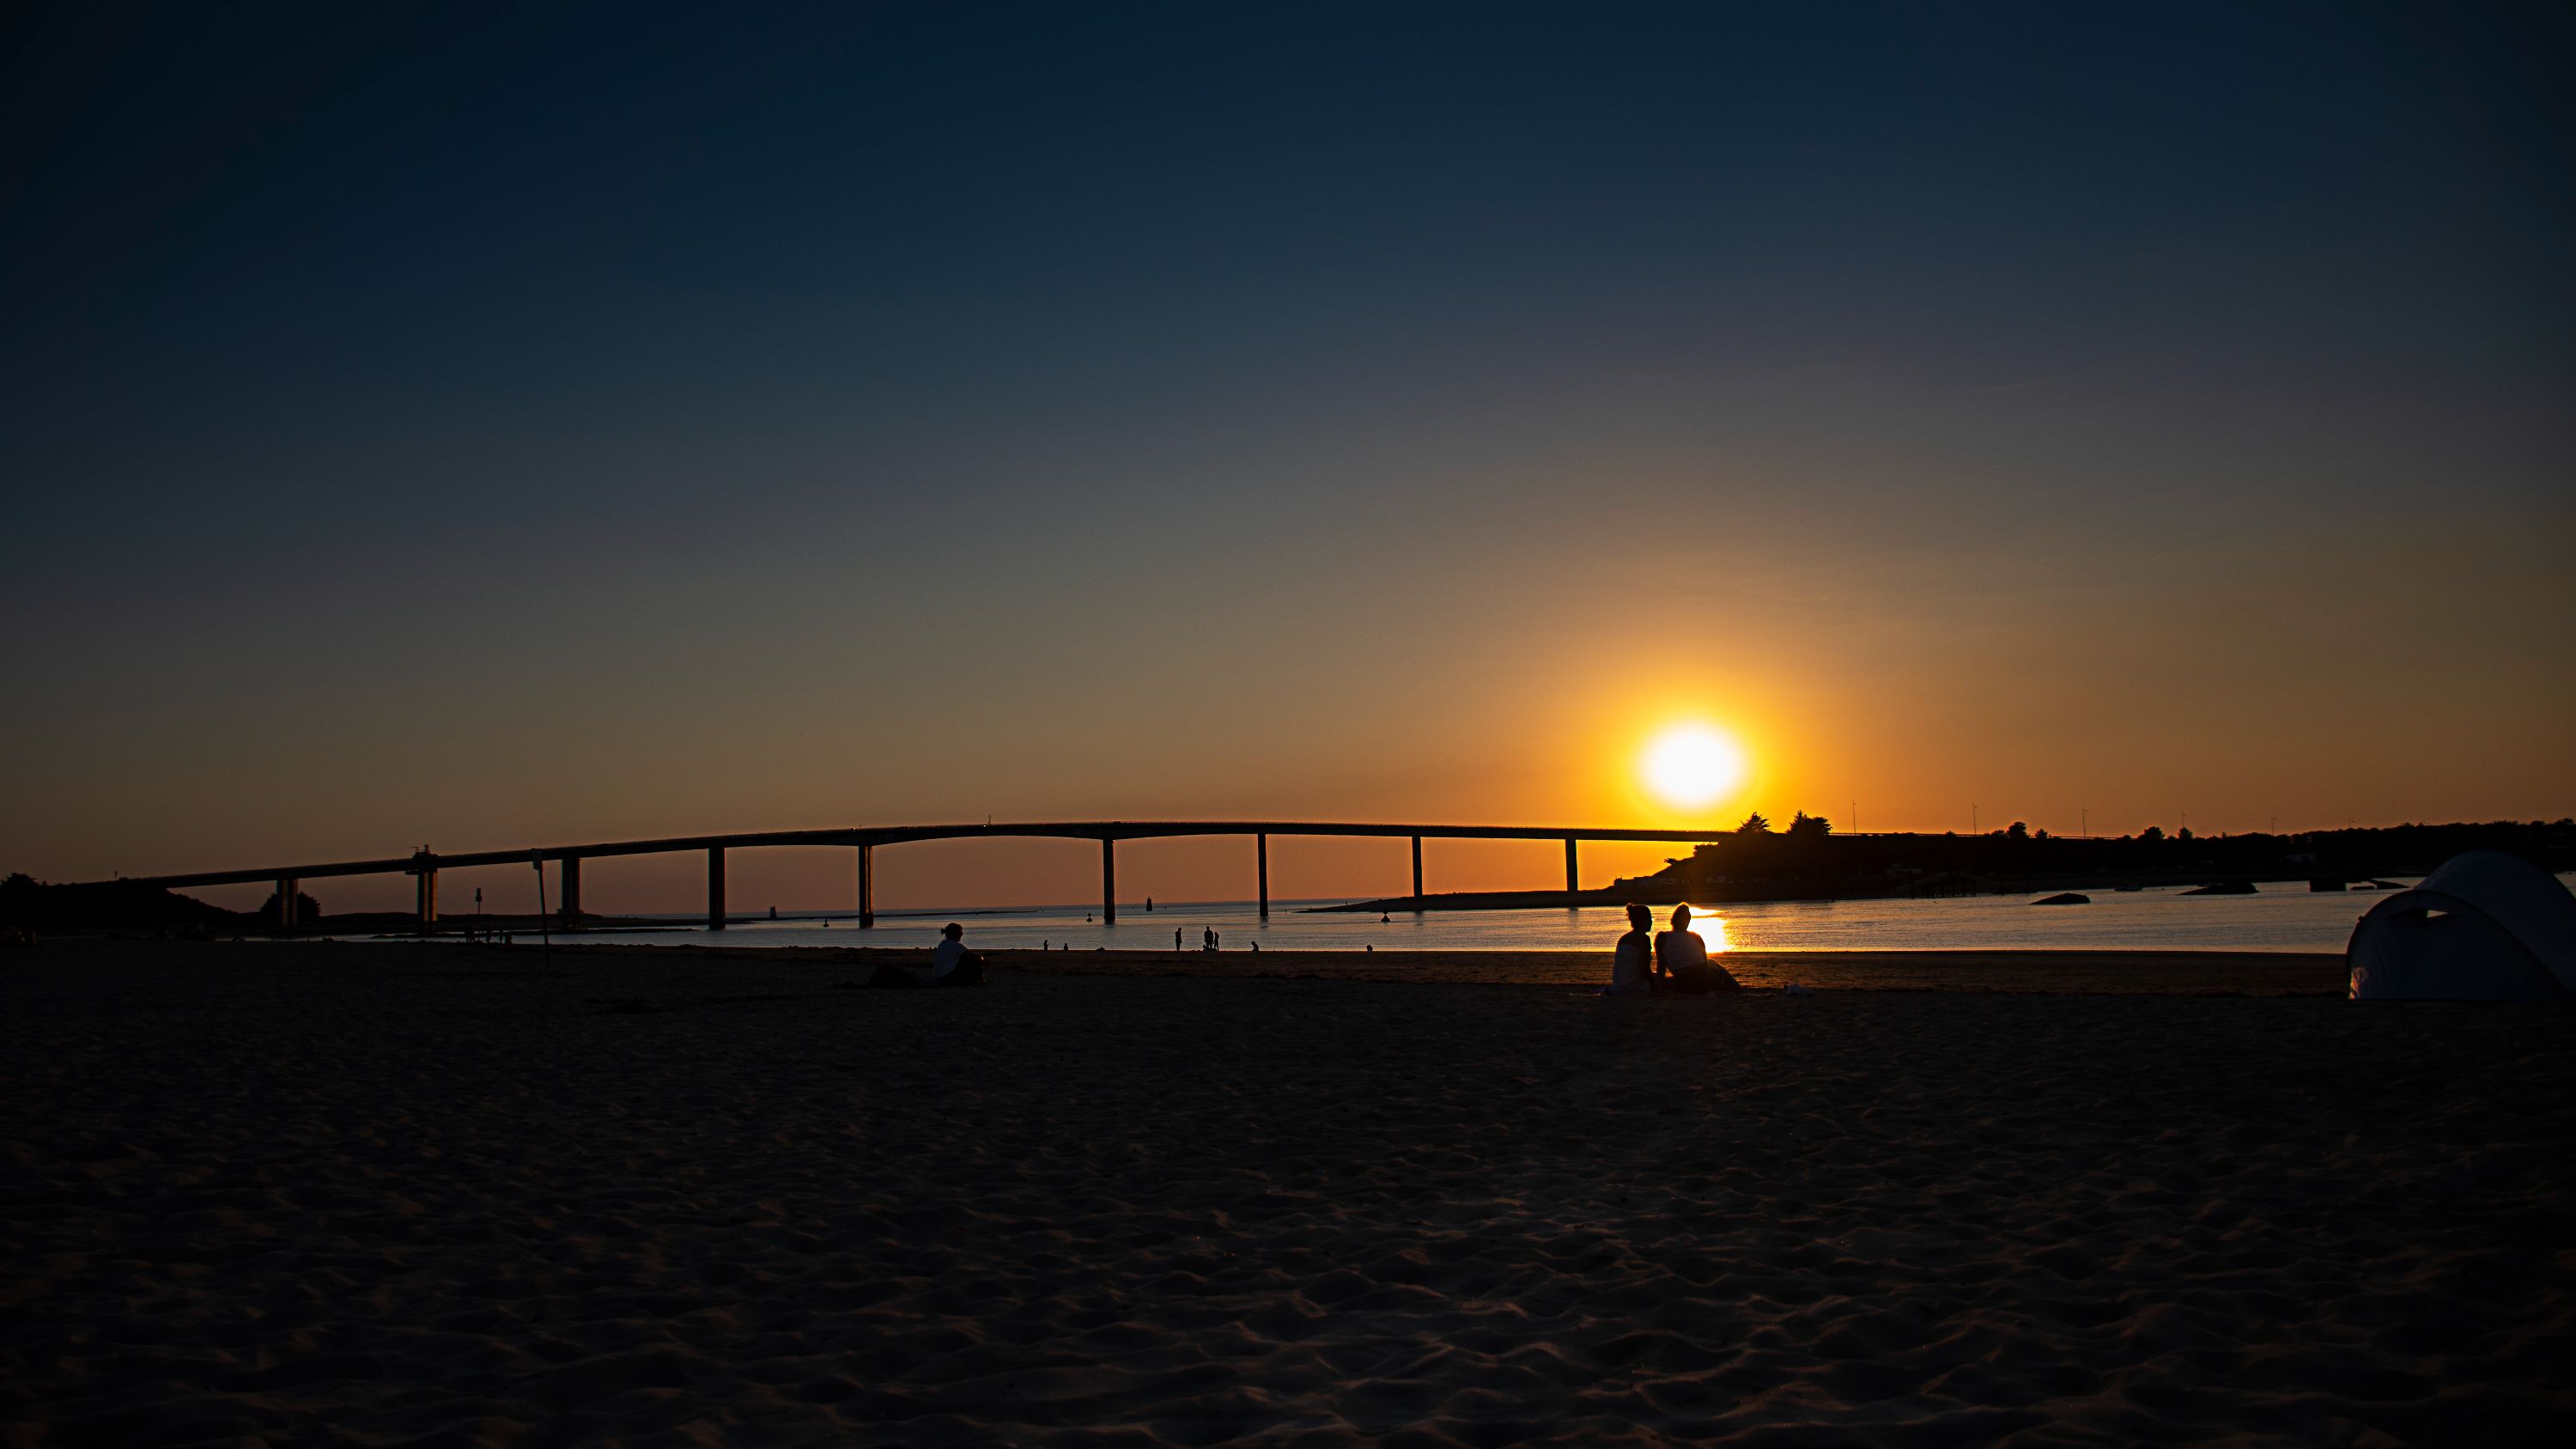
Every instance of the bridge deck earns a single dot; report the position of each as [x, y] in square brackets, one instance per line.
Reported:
[1102, 830]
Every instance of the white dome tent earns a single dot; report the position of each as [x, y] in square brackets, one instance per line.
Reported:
[2485, 927]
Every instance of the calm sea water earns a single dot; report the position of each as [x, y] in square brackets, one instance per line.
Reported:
[2283, 917]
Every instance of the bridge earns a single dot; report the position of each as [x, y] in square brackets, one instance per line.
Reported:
[864, 840]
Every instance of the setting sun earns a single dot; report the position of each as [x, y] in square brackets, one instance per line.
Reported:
[1693, 765]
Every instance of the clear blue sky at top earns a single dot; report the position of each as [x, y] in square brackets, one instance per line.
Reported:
[241, 227]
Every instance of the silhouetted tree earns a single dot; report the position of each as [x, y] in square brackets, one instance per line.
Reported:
[2152, 835]
[2017, 831]
[1754, 824]
[307, 909]
[1804, 826]
[19, 895]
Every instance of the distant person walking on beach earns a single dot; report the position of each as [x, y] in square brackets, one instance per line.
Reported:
[1682, 964]
[1632, 961]
[951, 964]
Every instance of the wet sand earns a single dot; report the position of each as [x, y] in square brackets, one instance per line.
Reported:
[380, 1193]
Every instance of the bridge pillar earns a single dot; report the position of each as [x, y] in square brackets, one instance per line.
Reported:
[867, 885]
[571, 871]
[287, 886]
[1108, 881]
[1261, 858]
[1417, 873]
[425, 896]
[1571, 888]
[715, 888]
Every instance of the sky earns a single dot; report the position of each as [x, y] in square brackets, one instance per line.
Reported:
[483, 426]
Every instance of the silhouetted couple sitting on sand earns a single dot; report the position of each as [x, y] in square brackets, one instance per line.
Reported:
[951, 964]
[1673, 964]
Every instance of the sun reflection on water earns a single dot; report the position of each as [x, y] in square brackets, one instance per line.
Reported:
[1711, 930]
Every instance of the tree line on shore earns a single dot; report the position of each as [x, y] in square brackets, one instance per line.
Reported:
[28, 904]
[1810, 850]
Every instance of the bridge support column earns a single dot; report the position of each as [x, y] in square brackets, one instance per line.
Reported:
[1417, 874]
[715, 888]
[287, 886]
[1261, 860]
[571, 871]
[425, 896]
[1571, 888]
[867, 885]
[1108, 882]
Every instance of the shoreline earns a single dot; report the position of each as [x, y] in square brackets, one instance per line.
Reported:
[2025, 971]
[1649, 892]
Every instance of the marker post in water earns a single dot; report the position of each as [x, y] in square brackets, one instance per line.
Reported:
[545, 936]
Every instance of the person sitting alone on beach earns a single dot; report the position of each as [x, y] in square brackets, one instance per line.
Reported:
[1632, 961]
[951, 964]
[1681, 961]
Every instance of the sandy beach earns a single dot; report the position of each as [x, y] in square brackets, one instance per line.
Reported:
[378, 1193]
